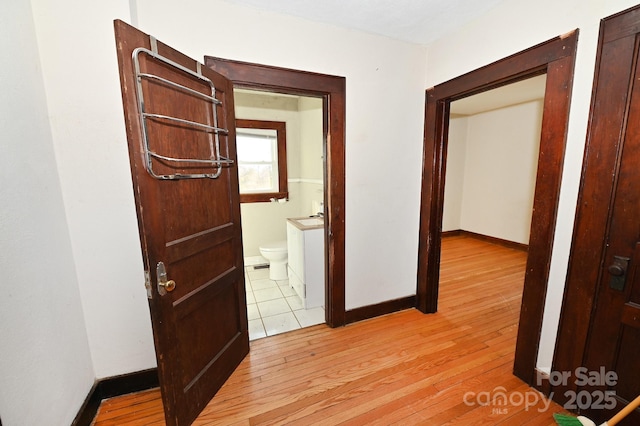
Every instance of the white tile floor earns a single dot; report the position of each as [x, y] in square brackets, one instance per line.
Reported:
[273, 307]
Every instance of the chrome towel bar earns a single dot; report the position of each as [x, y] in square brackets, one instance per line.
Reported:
[215, 160]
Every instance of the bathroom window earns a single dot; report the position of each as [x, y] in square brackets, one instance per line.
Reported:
[262, 160]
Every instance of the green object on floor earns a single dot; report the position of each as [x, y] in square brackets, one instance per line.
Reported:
[566, 420]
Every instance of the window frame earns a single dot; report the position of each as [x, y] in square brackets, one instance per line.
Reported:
[281, 145]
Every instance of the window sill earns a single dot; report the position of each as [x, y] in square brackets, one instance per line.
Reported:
[262, 197]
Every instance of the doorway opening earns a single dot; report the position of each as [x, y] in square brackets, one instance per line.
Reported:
[275, 219]
[555, 58]
[491, 166]
[331, 89]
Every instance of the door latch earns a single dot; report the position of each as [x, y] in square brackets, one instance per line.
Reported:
[164, 286]
[618, 271]
[147, 284]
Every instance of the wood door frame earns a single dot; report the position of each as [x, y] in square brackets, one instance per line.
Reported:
[602, 157]
[554, 57]
[332, 90]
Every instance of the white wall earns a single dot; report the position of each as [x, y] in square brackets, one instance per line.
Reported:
[493, 193]
[78, 56]
[311, 156]
[454, 178]
[509, 28]
[45, 363]
[500, 171]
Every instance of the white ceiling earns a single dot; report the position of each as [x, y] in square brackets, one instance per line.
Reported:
[415, 21]
[513, 94]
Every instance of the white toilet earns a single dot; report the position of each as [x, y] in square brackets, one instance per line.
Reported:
[276, 254]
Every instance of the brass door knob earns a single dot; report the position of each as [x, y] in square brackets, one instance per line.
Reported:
[164, 285]
[169, 285]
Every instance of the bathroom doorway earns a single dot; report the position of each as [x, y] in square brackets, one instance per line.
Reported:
[332, 90]
[281, 164]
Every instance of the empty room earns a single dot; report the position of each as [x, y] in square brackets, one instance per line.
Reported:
[449, 293]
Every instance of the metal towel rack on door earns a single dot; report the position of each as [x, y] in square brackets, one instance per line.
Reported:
[215, 160]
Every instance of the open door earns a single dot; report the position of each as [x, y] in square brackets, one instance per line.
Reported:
[181, 132]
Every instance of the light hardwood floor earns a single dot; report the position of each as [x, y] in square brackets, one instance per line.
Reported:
[453, 367]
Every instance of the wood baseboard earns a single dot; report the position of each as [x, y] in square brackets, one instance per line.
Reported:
[114, 386]
[371, 311]
[454, 233]
[493, 240]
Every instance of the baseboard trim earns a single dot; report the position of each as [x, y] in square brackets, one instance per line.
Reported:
[372, 311]
[454, 233]
[542, 382]
[493, 240]
[114, 386]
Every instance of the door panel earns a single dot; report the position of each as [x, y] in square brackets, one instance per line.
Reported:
[190, 225]
[599, 329]
[614, 337]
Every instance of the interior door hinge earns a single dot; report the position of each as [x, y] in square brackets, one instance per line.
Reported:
[147, 284]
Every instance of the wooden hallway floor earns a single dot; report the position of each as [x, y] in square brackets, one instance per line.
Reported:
[406, 368]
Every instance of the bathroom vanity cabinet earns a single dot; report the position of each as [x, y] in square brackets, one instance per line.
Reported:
[305, 246]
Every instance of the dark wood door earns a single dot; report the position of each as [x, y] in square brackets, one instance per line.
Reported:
[603, 288]
[188, 215]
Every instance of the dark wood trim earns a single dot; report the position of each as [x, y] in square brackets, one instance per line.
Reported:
[598, 181]
[276, 79]
[332, 90]
[487, 238]
[453, 233]
[281, 135]
[114, 386]
[555, 58]
[384, 308]
[545, 207]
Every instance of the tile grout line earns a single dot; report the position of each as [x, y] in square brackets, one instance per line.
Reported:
[282, 296]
